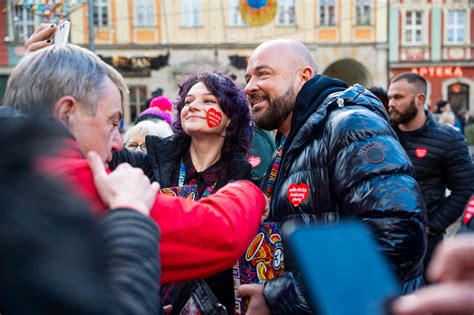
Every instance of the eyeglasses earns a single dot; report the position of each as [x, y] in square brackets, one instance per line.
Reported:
[133, 146]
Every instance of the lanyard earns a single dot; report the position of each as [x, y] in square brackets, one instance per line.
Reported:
[182, 175]
[274, 173]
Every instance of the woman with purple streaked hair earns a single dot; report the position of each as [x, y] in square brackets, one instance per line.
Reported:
[207, 96]
[213, 132]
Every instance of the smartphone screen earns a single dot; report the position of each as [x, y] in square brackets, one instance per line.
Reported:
[342, 270]
[62, 33]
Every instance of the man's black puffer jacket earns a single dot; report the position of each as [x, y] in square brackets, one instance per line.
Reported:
[343, 148]
[446, 164]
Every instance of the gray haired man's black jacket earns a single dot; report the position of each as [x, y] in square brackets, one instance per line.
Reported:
[55, 257]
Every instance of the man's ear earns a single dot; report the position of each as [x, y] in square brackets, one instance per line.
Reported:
[64, 109]
[307, 73]
[303, 75]
[420, 98]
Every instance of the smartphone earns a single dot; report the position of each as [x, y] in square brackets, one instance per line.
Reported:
[342, 270]
[62, 34]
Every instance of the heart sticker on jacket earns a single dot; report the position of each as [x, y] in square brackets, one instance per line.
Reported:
[297, 193]
[214, 118]
[469, 211]
[421, 152]
[254, 160]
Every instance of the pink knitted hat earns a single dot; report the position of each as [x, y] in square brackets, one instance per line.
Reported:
[160, 107]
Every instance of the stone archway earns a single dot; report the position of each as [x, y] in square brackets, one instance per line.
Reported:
[350, 71]
[465, 81]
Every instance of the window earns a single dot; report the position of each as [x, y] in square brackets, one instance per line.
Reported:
[363, 12]
[235, 18]
[145, 13]
[455, 26]
[286, 12]
[23, 23]
[327, 12]
[190, 13]
[137, 100]
[413, 27]
[458, 96]
[101, 13]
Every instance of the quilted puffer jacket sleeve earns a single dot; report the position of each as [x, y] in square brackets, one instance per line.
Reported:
[284, 295]
[459, 172]
[201, 238]
[132, 263]
[371, 178]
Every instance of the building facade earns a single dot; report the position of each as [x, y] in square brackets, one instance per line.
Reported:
[435, 39]
[155, 43]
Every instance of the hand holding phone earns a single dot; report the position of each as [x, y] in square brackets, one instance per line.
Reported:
[62, 34]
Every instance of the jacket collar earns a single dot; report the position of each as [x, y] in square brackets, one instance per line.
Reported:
[170, 150]
[310, 97]
[428, 123]
[70, 147]
[355, 94]
[54, 139]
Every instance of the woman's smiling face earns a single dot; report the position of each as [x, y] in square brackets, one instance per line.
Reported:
[202, 113]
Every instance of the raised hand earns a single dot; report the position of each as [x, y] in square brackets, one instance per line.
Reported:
[126, 186]
[257, 305]
[41, 37]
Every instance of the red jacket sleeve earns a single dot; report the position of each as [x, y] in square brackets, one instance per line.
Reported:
[198, 238]
[75, 173]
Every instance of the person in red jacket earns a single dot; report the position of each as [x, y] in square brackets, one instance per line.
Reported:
[72, 86]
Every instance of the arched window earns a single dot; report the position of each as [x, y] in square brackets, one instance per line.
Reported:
[458, 96]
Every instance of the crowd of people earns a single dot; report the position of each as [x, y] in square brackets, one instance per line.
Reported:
[94, 235]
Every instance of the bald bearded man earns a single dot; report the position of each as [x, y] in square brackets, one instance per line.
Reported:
[338, 158]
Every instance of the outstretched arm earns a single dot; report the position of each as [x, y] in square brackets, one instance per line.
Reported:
[201, 238]
[41, 37]
[126, 186]
[198, 238]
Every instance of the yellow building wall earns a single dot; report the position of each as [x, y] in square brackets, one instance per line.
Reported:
[121, 29]
[209, 45]
[215, 28]
[121, 16]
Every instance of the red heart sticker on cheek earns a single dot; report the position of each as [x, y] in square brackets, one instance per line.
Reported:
[214, 118]
[297, 193]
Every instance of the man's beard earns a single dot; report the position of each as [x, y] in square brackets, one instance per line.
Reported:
[277, 110]
[403, 118]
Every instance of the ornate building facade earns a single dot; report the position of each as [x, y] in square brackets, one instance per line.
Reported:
[435, 39]
[154, 43]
